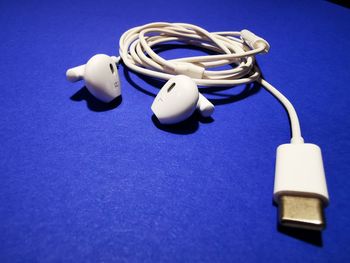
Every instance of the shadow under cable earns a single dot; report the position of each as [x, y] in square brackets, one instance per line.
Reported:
[216, 95]
[344, 3]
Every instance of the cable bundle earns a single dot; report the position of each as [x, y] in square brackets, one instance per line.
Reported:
[136, 51]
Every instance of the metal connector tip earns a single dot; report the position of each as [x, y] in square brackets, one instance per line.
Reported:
[301, 212]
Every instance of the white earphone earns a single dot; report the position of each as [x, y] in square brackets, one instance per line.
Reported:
[178, 99]
[101, 77]
[300, 185]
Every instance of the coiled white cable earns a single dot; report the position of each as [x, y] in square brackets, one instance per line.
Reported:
[233, 48]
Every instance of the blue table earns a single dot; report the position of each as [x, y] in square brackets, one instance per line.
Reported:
[86, 182]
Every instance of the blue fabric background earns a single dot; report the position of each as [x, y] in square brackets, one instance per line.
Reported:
[82, 182]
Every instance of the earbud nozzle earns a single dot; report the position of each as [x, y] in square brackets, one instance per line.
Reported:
[76, 73]
[205, 107]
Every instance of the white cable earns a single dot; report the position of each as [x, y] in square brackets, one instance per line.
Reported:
[233, 48]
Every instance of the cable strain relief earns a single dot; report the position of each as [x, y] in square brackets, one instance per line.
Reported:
[297, 140]
[116, 60]
[254, 41]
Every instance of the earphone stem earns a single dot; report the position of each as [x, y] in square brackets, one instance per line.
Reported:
[76, 73]
[205, 107]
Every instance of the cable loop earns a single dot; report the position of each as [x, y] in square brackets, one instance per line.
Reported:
[136, 51]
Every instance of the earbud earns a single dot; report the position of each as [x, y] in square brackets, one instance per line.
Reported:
[101, 77]
[178, 99]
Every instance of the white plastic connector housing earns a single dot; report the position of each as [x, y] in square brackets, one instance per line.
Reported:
[254, 41]
[300, 172]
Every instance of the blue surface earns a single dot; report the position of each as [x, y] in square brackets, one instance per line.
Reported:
[81, 182]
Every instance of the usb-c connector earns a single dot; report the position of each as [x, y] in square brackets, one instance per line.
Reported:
[301, 212]
[300, 186]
